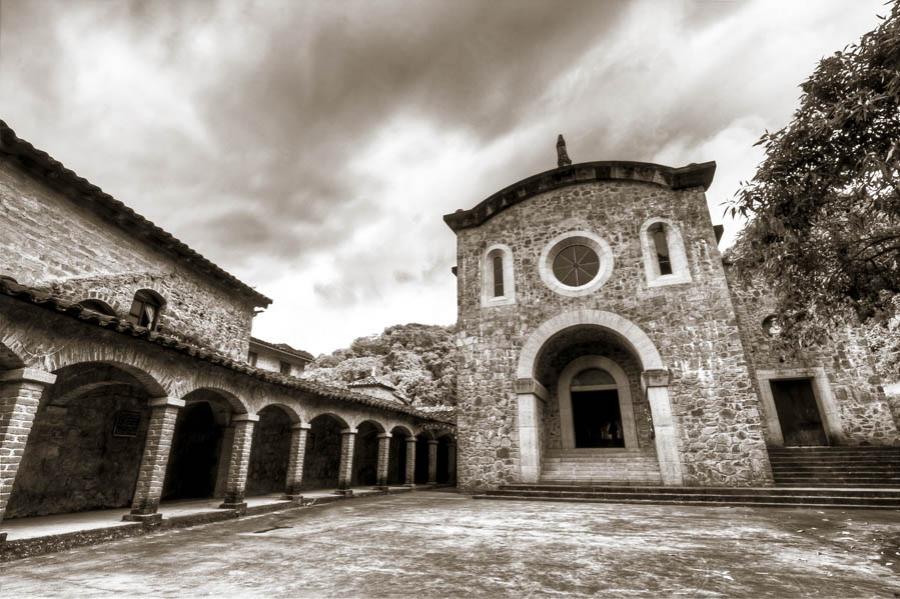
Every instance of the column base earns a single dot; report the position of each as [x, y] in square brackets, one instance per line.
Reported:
[410, 485]
[146, 519]
[344, 492]
[295, 498]
[381, 487]
[239, 507]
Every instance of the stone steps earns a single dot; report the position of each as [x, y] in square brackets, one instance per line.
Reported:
[836, 466]
[601, 466]
[745, 496]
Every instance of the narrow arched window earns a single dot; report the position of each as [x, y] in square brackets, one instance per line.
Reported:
[661, 245]
[665, 258]
[145, 309]
[497, 284]
[498, 275]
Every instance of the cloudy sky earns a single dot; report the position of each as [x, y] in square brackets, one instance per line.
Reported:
[310, 148]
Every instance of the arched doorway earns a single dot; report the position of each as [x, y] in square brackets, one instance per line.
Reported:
[86, 443]
[590, 335]
[397, 459]
[270, 452]
[596, 408]
[322, 461]
[365, 454]
[197, 467]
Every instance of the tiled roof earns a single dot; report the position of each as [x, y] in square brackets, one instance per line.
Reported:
[91, 197]
[283, 348]
[372, 381]
[11, 288]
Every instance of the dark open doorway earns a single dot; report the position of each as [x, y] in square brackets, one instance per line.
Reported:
[597, 419]
[798, 413]
[195, 453]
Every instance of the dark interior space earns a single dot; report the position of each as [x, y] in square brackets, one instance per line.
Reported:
[421, 476]
[597, 419]
[443, 460]
[322, 462]
[801, 422]
[269, 453]
[365, 455]
[397, 461]
[85, 447]
[194, 459]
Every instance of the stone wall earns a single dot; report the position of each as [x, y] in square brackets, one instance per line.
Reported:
[74, 461]
[51, 243]
[691, 324]
[271, 448]
[864, 413]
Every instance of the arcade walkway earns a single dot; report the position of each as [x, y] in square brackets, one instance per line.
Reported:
[442, 544]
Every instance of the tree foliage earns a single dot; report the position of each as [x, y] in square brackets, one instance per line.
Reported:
[419, 360]
[824, 205]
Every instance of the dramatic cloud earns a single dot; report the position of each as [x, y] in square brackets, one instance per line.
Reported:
[311, 147]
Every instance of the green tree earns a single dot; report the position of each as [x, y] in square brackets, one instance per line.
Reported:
[824, 205]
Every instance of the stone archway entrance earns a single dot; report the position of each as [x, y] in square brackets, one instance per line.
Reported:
[613, 355]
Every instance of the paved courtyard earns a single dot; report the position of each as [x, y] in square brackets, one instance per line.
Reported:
[443, 544]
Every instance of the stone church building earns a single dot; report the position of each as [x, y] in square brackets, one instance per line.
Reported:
[604, 339]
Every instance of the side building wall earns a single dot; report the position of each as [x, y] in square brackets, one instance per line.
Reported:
[53, 244]
[847, 388]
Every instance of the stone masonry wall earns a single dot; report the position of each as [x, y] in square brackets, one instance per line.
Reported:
[692, 325]
[864, 412]
[51, 243]
[74, 462]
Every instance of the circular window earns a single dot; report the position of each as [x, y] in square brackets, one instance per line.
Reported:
[575, 263]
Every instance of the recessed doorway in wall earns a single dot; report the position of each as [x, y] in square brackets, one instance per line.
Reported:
[798, 412]
[597, 419]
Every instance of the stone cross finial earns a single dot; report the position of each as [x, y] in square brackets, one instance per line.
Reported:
[561, 155]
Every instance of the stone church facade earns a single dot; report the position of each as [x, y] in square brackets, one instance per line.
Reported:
[603, 338]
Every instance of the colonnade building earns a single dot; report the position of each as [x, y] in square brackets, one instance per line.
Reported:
[124, 372]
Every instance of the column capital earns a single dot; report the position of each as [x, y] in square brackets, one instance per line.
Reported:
[385, 435]
[348, 431]
[411, 439]
[432, 441]
[301, 427]
[158, 402]
[30, 375]
[530, 385]
[656, 378]
[245, 418]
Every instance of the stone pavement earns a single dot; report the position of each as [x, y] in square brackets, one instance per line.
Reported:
[444, 544]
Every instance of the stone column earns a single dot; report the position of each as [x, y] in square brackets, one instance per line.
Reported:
[451, 463]
[224, 460]
[432, 461]
[20, 394]
[152, 475]
[345, 472]
[295, 462]
[531, 396]
[656, 382]
[410, 478]
[236, 484]
[384, 460]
